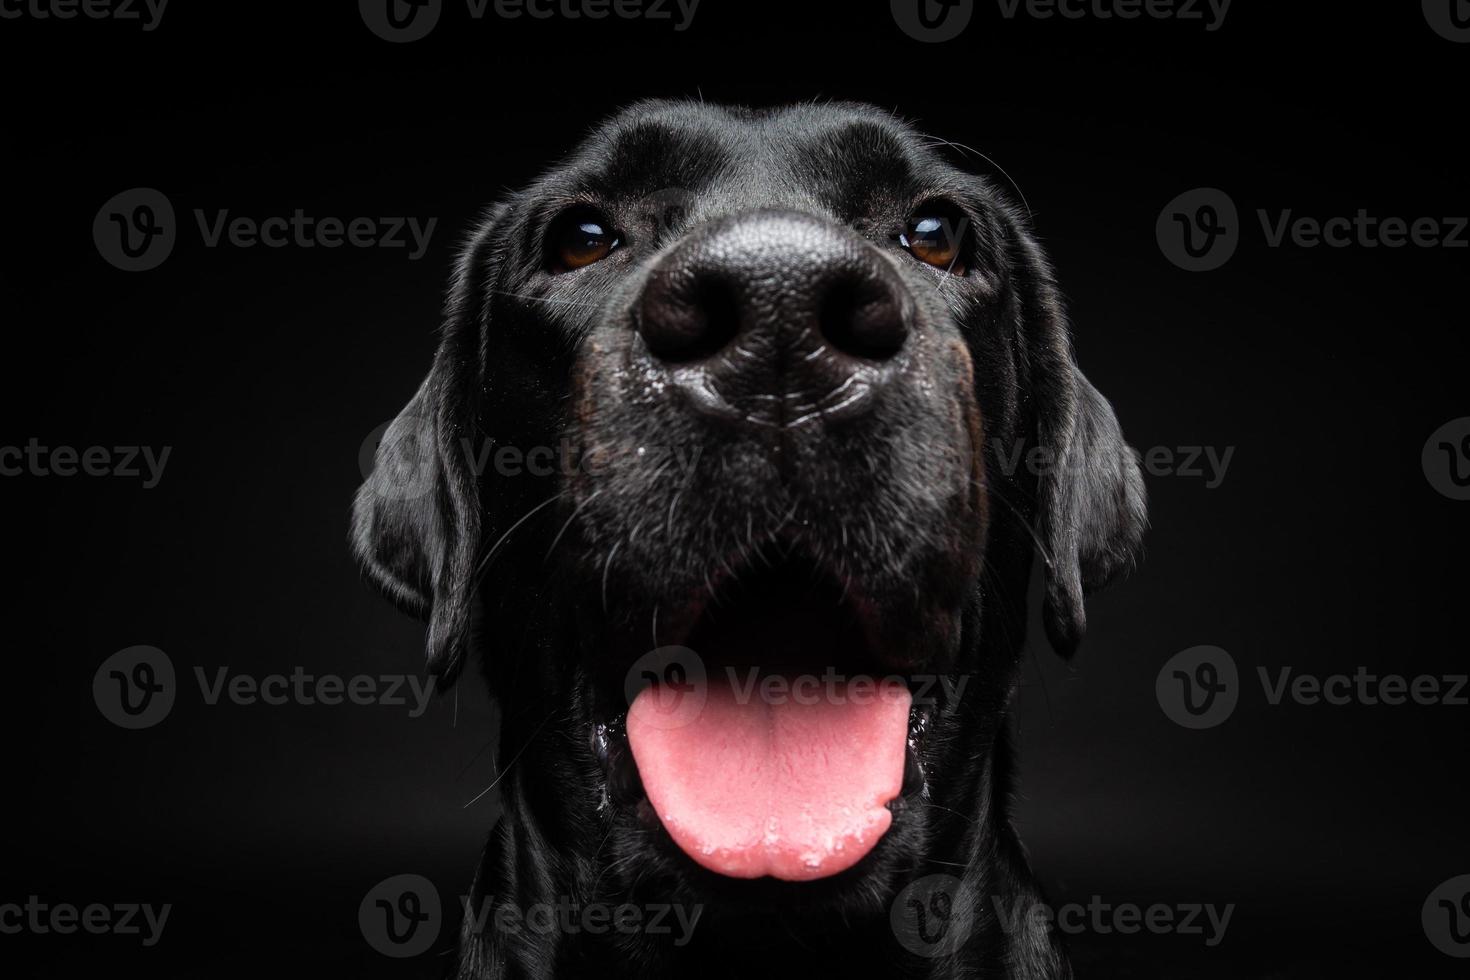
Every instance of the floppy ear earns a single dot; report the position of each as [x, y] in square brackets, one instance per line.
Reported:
[416, 520]
[1091, 505]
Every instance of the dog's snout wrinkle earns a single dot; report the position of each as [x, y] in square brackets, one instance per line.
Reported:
[775, 319]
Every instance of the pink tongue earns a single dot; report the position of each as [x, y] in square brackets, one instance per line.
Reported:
[793, 786]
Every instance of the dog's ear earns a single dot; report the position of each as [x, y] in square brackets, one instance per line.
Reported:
[1091, 505]
[416, 519]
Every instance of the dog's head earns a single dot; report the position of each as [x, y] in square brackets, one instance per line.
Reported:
[787, 390]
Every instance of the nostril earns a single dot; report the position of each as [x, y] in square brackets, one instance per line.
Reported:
[864, 318]
[689, 318]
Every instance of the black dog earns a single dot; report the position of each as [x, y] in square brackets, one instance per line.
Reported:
[787, 390]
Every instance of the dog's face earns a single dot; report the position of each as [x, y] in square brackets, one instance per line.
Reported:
[786, 390]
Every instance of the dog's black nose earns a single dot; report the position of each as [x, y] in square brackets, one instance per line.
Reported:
[776, 318]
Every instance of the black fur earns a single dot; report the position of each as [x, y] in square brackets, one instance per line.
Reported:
[555, 583]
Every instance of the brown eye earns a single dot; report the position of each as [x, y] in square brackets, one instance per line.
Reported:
[937, 239]
[580, 240]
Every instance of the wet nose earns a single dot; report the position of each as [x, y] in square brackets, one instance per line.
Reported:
[776, 318]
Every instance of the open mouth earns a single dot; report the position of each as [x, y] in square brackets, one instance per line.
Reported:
[773, 742]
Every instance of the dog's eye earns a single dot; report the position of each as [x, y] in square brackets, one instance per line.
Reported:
[937, 237]
[580, 239]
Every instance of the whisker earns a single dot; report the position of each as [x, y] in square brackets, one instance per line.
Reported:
[557, 540]
[514, 759]
[994, 491]
[485, 563]
[940, 141]
[936, 806]
[545, 299]
[606, 570]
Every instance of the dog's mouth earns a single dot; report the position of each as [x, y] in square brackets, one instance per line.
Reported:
[773, 741]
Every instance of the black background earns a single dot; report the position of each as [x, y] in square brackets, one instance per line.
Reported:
[1325, 547]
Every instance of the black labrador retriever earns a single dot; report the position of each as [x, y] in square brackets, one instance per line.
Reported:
[745, 430]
